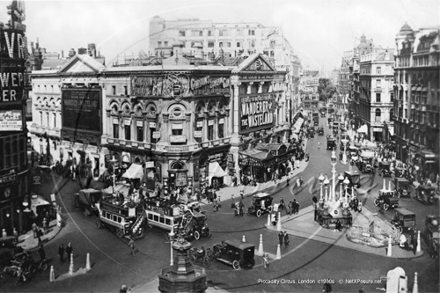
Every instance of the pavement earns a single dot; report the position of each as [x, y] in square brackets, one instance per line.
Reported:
[28, 242]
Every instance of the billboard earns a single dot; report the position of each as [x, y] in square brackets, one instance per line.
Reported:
[256, 112]
[11, 120]
[81, 113]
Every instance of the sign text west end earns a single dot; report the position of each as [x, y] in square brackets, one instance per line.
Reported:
[12, 55]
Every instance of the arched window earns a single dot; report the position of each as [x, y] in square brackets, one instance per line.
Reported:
[377, 116]
[178, 165]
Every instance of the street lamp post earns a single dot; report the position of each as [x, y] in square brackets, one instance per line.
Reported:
[113, 162]
[333, 161]
[171, 234]
[340, 178]
[326, 183]
[346, 182]
[321, 181]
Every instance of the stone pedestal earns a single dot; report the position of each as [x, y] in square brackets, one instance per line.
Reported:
[183, 276]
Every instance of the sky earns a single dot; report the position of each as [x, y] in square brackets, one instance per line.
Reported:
[320, 31]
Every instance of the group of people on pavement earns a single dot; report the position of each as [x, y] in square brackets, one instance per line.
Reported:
[68, 250]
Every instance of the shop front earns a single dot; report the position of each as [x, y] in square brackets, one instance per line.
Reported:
[428, 161]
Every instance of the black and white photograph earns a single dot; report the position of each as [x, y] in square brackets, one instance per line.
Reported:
[219, 146]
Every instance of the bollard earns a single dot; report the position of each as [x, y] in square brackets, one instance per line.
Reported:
[243, 239]
[268, 220]
[390, 246]
[71, 268]
[416, 284]
[52, 275]
[4, 233]
[419, 246]
[279, 222]
[278, 256]
[384, 184]
[260, 247]
[88, 267]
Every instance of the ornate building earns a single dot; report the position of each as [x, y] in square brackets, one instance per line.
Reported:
[376, 95]
[417, 96]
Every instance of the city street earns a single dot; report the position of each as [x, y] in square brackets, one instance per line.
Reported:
[305, 261]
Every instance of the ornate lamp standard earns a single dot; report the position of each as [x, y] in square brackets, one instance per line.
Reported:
[326, 183]
[346, 182]
[321, 181]
[333, 161]
[344, 154]
[171, 234]
[340, 179]
[113, 162]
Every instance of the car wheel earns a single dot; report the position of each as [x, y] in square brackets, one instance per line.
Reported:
[119, 233]
[196, 235]
[236, 265]
[376, 202]
[401, 229]
[386, 206]
[259, 213]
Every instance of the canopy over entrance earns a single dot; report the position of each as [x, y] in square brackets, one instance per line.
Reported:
[363, 129]
[298, 124]
[135, 171]
[215, 171]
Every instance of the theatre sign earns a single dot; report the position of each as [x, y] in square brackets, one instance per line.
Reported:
[256, 112]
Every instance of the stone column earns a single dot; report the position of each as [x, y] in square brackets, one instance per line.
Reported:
[205, 127]
[260, 87]
[236, 109]
[249, 88]
[190, 127]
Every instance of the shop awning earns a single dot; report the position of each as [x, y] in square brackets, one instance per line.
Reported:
[122, 188]
[215, 171]
[135, 171]
[363, 129]
[426, 154]
[297, 126]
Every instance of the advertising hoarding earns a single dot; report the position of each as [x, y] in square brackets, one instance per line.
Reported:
[11, 120]
[256, 112]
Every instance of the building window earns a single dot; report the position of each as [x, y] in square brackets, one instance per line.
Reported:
[54, 120]
[127, 129]
[228, 44]
[176, 129]
[240, 32]
[377, 97]
[113, 89]
[210, 44]
[238, 44]
[159, 44]
[181, 33]
[125, 90]
[251, 32]
[115, 130]
[209, 33]
[48, 120]
[210, 129]
[165, 44]
[220, 44]
[223, 33]
[378, 70]
[378, 83]
[140, 132]
[221, 128]
[41, 118]
[377, 116]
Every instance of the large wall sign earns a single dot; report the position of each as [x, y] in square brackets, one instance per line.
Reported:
[81, 114]
[256, 112]
[11, 120]
[178, 85]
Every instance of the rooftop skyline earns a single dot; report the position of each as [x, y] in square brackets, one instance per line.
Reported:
[319, 31]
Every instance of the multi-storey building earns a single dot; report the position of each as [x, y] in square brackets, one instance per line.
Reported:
[417, 96]
[376, 94]
[185, 124]
[14, 184]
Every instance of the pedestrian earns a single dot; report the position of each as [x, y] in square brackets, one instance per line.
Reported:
[273, 219]
[44, 225]
[132, 246]
[327, 288]
[39, 234]
[290, 207]
[123, 289]
[34, 229]
[61, 252]
[265, 260]
[69, 250]
[281, 238]
[42, 253]
[286, 238]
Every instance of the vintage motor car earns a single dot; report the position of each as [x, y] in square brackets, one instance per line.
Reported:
[331, 143]
[235, 253]
[402, 187]
[384, 169]
[432, 234]
[311, 132]
[320, 130]
[354, 177]
[261, 203]
[386, 200]
[367, 165]
[425, 194]
[404, 220]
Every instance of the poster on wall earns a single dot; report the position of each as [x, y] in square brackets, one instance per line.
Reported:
[11, 120]
[257, 112]
[181, 179]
